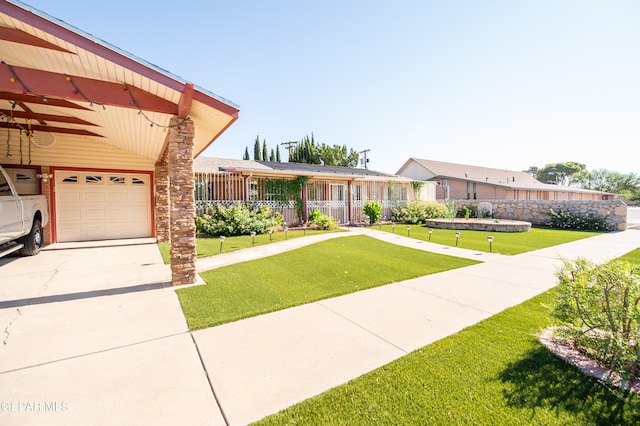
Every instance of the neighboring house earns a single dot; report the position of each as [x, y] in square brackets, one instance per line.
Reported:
[336, 191]
[461, 181]
[101, 134]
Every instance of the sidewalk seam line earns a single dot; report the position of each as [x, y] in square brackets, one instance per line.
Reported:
[362, 328]
[206, 374]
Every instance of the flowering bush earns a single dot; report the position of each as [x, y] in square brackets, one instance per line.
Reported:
[564, 219]
[417, 212]
[322, 220]
[240, 219]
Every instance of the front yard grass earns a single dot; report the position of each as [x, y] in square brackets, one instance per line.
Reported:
[493, 373]
[210, 246]
[509, 243]
[326, 269]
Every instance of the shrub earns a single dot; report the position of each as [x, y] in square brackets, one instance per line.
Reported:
[599, 305]
[373, 210]
[417, 212]
[323, 221]
[565, 219]
[467, 211]
[240, 219]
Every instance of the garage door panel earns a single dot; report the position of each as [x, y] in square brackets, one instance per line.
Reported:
[95, 205]
[94, 196]
[117, 197]
[68, 197]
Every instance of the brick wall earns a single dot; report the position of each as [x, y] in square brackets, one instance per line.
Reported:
[536, 211]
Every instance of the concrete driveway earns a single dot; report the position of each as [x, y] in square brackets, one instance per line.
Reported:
[90, 335]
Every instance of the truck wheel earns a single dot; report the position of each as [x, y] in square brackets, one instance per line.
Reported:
[32, 241]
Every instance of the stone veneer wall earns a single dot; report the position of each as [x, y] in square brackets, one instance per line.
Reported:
[536, 211]
[182, 202]
[161, 185]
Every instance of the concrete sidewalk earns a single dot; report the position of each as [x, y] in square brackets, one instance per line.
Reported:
[94, 335]
[261, 365]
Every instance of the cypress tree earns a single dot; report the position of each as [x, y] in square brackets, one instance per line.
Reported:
[256, 150]
[246, 153]
[265, 153]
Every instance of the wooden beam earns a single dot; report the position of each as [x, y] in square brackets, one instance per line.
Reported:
[49, 85]
[17, 36]
[30, 115]
[50, 129]
[32, 99]
[186, 100]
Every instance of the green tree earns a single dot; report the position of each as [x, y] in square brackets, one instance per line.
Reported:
[246, 153]
[626, 184]
[257, 156]
[278, 153]
[310, 152]
[265, 153]
[272, 156]
[558, 173]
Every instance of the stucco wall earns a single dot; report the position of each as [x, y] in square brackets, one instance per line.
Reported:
[536, 211]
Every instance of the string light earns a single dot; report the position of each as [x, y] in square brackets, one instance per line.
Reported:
[76, 90]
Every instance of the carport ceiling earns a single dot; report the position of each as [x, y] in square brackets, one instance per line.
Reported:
[60, 81]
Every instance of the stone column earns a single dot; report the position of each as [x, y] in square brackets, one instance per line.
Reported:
[181, 199]
[161, 184]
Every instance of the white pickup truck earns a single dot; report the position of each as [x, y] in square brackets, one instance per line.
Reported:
[21, 219]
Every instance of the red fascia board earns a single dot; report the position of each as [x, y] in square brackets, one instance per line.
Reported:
[216, 103]
[105, 52]
[76, 39]
[54, 85]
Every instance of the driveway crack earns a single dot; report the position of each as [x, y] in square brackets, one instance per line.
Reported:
[7, 329]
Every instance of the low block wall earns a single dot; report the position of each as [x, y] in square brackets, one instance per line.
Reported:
[536, 211]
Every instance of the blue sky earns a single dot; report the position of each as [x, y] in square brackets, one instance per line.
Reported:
[504, 84]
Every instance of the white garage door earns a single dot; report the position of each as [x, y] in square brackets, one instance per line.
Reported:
[102, 205]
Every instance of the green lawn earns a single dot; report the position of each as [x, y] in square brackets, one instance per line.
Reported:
[633, 256]
[508, 243]
[327, 269]
[210, 246]
[493, 373]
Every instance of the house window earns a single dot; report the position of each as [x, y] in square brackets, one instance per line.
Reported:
[23, 178]
[356, 193]
[93, 179]
[70, 179]
[116, 179]
[468, 190]
[475, 192]
[137, 181]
